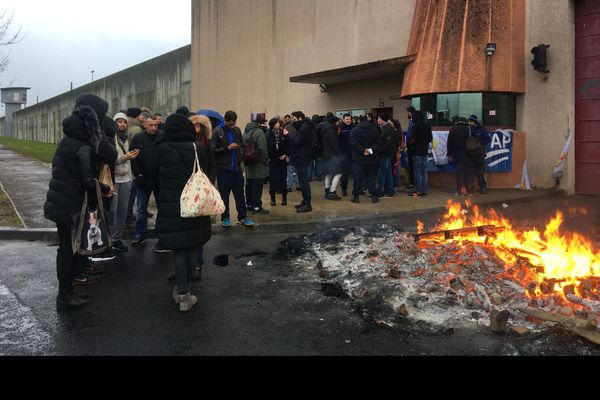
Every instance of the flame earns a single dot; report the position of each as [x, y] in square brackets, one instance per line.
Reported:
[543, 263]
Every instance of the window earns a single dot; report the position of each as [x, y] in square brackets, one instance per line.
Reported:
[493, 109]
[355, 113]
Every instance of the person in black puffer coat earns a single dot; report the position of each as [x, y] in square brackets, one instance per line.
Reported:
[300, 145]
[366, 142]
[74, 170]
[278, 153]
[332, 156]
[420, 140]
[183, 235]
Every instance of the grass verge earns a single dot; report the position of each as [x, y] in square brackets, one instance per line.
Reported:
[37, 150]
[8, 216]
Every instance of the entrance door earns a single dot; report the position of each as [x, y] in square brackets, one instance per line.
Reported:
[587, 97]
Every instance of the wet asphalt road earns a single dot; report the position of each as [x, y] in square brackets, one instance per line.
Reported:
[268, 308]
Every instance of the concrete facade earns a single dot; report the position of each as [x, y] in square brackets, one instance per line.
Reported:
[546, 112]
[244, 53]
[162, 84]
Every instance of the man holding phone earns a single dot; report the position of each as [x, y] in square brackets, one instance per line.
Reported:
[123, 182]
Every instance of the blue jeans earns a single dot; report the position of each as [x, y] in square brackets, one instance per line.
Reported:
[141, 221]
[385, 179]
[292, 177]
[317, 168]
[420, 165]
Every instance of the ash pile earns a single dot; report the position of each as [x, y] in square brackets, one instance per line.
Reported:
[437, 287]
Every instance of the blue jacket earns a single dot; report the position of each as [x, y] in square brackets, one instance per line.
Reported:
[482, 134]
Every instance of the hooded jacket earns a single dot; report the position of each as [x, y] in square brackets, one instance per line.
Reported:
[390, 140]
[332, 150]
[421, 135]
[259, 170]
[300, 143]
[175, 165]
[74, 167]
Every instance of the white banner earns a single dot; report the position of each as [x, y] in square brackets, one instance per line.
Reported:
[560, 164]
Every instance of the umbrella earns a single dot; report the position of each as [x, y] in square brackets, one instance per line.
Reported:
[216, 119]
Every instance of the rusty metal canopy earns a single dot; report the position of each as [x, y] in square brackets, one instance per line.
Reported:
[375, 69]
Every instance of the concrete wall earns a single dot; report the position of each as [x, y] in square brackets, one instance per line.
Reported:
[162, 84]
[245, 51]
[547, 111]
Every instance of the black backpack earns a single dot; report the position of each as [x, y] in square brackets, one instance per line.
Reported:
[474, 148]
[317, 142]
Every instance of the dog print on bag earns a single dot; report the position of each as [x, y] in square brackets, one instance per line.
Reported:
[94, 234]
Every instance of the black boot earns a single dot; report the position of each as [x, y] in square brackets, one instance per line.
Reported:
[284, 200]
[273, 202]
[70, 302]
[344, 193]
[297, 206]
[355, 198]
[197, 274]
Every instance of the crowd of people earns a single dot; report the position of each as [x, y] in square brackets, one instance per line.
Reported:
[148, 156]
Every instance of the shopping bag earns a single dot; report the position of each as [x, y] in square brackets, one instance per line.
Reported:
[199, 197]
[91, 233]
[105, 176]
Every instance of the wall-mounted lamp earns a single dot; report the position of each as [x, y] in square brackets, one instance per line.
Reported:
[490, 49]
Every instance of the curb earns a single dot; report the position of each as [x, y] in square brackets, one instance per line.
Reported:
[49, 234]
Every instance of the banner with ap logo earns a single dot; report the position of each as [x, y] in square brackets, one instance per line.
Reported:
[498, 158]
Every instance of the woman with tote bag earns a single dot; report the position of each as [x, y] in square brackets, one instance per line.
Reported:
[184, 236]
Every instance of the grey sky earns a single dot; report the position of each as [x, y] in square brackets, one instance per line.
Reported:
[66, 39]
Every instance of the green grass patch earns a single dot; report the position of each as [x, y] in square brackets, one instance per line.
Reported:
[37, 150]
[8, 216]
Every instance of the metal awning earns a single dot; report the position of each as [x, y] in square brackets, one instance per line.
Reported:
[375, 69]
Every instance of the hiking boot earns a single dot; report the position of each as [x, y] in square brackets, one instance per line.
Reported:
[246, 222]
[186, 302]
[305, 208]
[71, 302]
[226, 223]
[332, 196]
[85, 279]
[355, 199]
[139, 242]
[118, 246]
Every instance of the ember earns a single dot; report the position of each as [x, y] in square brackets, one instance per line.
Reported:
[550, 265]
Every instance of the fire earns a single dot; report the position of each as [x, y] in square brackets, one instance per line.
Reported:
[543, 263]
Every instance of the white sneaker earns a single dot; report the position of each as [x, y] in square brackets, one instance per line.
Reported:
[186, 302]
